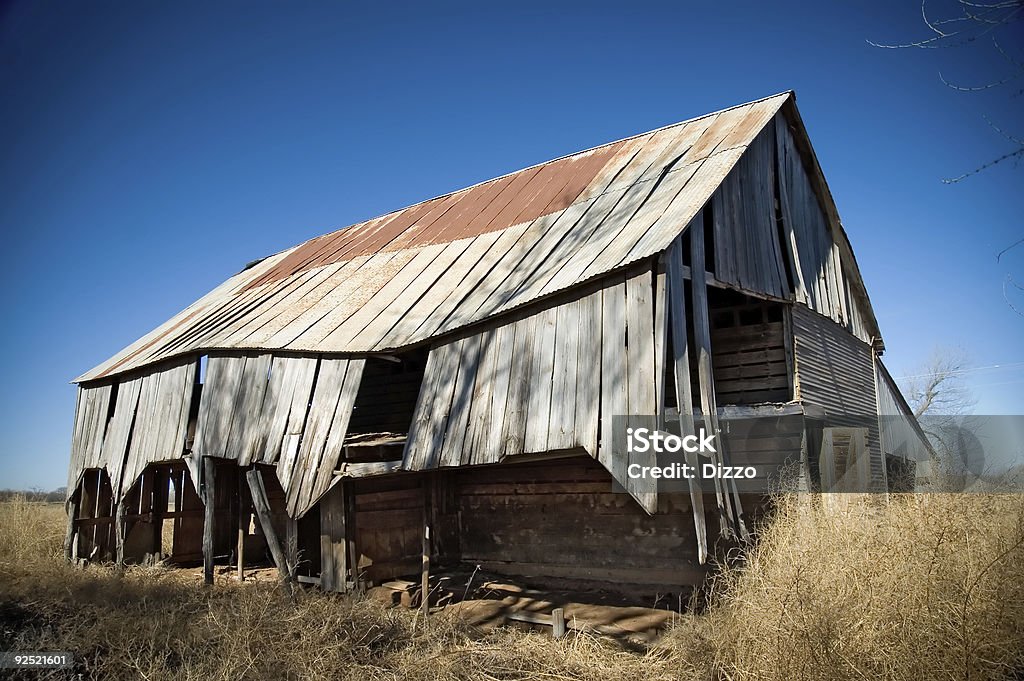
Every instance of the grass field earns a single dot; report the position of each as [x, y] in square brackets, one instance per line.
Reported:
[930, 587]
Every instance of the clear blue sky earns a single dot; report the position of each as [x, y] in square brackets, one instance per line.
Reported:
[149, 150]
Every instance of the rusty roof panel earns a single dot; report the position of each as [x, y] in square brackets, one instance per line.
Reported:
[524, 235]
[548, 188]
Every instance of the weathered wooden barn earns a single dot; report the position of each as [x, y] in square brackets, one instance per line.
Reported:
[452, 370]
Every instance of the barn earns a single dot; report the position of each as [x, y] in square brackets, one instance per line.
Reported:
[450, 383]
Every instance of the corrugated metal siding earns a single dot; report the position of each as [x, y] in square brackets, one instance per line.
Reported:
[835, 371]
[347, 293]
[900, 434]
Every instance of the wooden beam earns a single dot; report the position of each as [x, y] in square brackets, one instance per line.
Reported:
[69, 536]
[425, 566]
[728, 498]
[119, 532]
[351, 546]
[209, 498]
[557, 623]
[291, 543]
[243, 529]
[362, 470]
[425, 573]
[159, 508]
[262, 508]
[676, 296]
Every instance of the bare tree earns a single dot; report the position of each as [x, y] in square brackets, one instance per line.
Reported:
[937, 387]
[942, 403]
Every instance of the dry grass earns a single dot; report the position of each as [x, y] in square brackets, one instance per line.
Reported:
[932, 587]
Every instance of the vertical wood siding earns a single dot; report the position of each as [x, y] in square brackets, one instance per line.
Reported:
[545, 382]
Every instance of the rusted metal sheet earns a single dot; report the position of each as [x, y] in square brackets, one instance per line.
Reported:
[559, 224]
[545, 189]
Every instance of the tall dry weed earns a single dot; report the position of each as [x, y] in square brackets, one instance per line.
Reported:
[931, 586]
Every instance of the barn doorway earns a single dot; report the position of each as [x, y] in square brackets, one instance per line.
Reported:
[163, 517]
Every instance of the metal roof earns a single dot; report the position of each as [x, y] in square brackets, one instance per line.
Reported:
[442, 264]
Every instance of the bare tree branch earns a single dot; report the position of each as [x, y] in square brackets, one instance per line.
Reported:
[938, 388]
[1009, 248]
[1004, 157]
[1006, 296]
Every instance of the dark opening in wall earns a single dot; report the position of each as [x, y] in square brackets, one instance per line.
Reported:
[748, 349]
[384, 407]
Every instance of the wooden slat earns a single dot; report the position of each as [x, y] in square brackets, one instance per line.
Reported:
[539, 390]
[613, 374]
[513, 431]
[562, 422]
[481, 416]
[640, 378]
[284, 406]
[676, 296]
[458, 418]
[588, 374]
[728, 498]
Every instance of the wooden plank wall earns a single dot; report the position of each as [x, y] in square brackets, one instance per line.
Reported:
[161, 420]
[91, 414]
[389, 519]
[560, 519]
[253, 406]
[835, 371]
[542, 382]
[747, 252]
[821, 281]
[375, 527]
[288, 411]
[124, 427]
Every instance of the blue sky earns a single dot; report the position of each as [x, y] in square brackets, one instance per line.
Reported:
[149, 150]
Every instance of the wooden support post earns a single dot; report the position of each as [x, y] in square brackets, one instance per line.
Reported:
[425, 567]
[262, 508]
[425, 573]
[334, 539]
[291, 544]
[178, 484]
[70, 537]
[243, 528]
[351, 546]
[209, 499]
[557, 623]
[676, 298]
[119, 532]
[159, 509]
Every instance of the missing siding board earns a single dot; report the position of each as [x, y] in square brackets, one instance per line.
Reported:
[385, 403]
